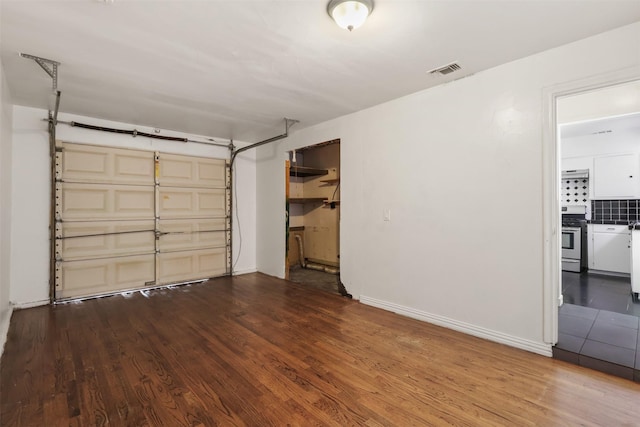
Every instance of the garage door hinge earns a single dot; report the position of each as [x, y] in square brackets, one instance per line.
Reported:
[59, 149]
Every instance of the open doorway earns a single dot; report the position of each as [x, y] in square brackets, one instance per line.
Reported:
[313, 213]
[599, 150]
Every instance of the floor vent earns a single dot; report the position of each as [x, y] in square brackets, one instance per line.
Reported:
[447, 69]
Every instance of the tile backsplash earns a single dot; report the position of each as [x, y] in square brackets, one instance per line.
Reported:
[574, 191]
[622, 211]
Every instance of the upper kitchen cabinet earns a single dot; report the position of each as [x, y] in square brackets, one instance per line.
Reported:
[617, 177]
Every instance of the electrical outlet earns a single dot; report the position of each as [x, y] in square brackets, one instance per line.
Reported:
[386, 214]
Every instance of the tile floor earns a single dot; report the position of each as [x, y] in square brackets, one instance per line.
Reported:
[599, 291]
[599, 325]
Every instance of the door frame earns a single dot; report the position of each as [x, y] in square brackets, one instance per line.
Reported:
[287, 188]
[551, 216]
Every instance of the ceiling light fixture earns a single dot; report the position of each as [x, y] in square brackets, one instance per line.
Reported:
[350, 14]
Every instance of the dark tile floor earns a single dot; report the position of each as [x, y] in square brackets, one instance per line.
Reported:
[599, 291]
[599, 325]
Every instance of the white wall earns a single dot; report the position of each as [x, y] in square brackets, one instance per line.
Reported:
[5, 206]
[617, 142]
[460, 168]
[30, 197]
[611, 101]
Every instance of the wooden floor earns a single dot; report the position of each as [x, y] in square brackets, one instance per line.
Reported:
[258, 351]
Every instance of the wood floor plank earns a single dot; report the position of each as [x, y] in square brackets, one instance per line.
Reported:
[254, 350]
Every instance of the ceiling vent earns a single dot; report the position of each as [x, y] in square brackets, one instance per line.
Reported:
[447, 69]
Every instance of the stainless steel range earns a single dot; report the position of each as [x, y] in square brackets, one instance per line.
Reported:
[574, 238]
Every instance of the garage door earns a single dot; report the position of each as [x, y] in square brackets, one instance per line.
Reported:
[130, 219]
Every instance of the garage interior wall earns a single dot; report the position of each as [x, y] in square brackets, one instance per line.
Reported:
[30, 195]
[5, 206]
[459, 167]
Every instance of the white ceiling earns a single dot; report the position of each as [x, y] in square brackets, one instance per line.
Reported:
[236, 68]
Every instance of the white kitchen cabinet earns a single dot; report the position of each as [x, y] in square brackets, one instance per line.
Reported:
[617, 177]
[609, 248]
[635, 263]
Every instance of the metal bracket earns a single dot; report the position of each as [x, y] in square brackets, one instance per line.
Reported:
[161, 233]
[289, 122]
[48, 65]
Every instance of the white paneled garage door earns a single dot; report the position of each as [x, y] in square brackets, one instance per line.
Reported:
[130, 219]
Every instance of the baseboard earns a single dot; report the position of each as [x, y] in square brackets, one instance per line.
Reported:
[21, 305]
[467, 328]
[248, 271]
[4, 327]
[608, 273]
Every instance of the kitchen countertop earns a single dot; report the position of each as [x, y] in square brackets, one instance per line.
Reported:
[633, 225]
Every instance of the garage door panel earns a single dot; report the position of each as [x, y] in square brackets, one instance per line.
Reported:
[101, 246]
[192, 225]
[86, 202]
[93, 277]
[95, 164]
[192, 234]
[88, 228]
[129, 219]
[192, 203]
[187, 241]
[184, 171]
[191, 265]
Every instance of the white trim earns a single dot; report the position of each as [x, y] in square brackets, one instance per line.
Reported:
[467, 328]
[550, 198]
[551, 272]
[4, 328]
[22, 305]
[246, 271]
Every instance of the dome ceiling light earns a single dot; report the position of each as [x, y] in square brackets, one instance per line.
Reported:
[349, 14]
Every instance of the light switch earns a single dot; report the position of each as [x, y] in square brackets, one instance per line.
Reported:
[386, 214]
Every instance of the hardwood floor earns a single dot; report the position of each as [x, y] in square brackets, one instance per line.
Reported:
[253, 350]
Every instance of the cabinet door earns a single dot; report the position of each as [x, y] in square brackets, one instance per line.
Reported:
[616, 177]
[611, 252]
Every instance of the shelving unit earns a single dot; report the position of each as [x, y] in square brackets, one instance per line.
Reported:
[303, 172]
[330, 181]
[310, 205]
[306, 199]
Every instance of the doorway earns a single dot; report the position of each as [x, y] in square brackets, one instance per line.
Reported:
[313, 217]
[599, 182]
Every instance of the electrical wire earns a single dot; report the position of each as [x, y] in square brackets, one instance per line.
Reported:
[333, 197]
